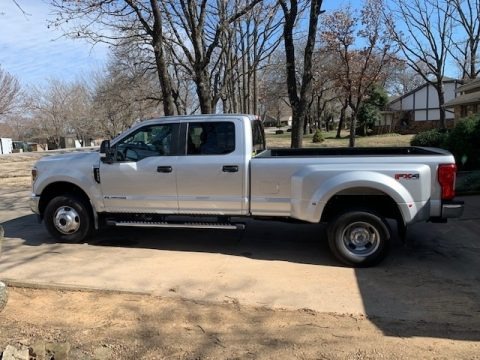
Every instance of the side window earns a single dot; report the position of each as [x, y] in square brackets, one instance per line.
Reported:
[258, 136]
[153, 140]
[210, 138]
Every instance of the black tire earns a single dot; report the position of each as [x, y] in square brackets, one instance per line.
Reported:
[359, 238]
[68, 219]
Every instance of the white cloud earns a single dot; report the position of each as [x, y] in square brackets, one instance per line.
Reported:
[34, 53]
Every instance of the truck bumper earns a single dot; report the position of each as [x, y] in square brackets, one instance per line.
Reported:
[34, 201]
[450, 209]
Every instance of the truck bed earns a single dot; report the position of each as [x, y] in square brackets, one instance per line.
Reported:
[366, 151]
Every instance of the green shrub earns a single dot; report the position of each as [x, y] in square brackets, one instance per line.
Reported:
[318, 136]
[463, 141]
[430, 138]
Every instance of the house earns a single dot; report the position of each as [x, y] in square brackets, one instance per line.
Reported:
[418, 110]
[467, 101]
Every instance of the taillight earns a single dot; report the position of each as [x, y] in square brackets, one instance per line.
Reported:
[446, 178]
[34, 175]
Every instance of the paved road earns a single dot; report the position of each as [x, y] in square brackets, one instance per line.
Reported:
[269, 264]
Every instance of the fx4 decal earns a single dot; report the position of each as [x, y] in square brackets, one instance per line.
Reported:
[407, 176]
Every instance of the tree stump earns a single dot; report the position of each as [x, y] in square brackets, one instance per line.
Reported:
[3, 287]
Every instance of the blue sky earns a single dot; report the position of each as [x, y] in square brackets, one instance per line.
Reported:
[34, 53]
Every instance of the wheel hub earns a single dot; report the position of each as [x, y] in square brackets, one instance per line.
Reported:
[66, 220]
[360, 236]
[361, 239]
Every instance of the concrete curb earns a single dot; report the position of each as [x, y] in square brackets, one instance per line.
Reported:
[3, 287]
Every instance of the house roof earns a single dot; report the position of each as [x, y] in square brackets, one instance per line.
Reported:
[471, 85]
[464, 99]
[398, 98]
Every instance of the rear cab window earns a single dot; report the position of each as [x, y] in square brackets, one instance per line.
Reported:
[258, 137]
[210, 138]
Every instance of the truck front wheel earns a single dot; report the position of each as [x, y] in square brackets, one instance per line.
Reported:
[67, 219]
[359, 238]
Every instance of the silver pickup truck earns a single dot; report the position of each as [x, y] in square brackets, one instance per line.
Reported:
[209, 171]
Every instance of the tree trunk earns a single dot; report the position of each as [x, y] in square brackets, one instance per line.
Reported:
[353, 124]
[342, 120]
[255, 92]
[162, 69]
[165, 84]
[300, 105]
[441, 104]
[298, 119]
[203, 91]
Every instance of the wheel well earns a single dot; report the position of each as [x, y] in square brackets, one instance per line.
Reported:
[373, 200]
[62, 188]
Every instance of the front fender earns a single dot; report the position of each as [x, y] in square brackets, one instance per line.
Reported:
[84, 181]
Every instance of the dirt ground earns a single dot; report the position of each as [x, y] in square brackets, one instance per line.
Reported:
[115, 325]
[99, 325]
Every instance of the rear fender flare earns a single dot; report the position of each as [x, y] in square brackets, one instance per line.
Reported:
[311, 208]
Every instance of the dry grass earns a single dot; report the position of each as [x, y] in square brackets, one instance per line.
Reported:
[283, 140]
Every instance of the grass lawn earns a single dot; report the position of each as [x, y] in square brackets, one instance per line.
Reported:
[283, 140]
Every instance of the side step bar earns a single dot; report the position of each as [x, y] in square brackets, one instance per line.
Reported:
[179, 225]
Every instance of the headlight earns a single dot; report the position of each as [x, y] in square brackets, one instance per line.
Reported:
[34, 175]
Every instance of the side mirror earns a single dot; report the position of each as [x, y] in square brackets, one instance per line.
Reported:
[105, 152]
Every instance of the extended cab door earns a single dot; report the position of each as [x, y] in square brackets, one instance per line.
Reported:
[142, 177]
[211, 176]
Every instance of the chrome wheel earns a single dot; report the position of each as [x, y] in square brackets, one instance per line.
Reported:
[361, 238]
[66, 220]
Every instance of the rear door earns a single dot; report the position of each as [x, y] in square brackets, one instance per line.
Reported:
[143, 176]
[211, 174]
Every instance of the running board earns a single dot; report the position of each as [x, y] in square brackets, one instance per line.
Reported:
[186, 225]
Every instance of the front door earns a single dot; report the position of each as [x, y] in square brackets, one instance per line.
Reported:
[142, 178]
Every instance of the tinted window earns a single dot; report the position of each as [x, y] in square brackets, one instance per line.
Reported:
[210, 138]
[154, 140]
[258, 136]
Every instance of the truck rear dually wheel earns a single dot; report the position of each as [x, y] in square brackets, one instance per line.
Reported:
[359, 238]
[67, 219]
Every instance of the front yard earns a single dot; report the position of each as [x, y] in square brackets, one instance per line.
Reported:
[283, 140]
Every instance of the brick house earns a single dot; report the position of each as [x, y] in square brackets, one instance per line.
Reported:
[418, 110]
[467, 101]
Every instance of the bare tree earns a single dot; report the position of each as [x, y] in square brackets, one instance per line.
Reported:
[273, 93]
[197, 28]
[363, 53]
[9, 92]
[113, 22]
[402, 79]
[299, 100]
[423, 30]
[258, 34]
[466, 37]
[325, 88]
[49, 106]
[119, 101]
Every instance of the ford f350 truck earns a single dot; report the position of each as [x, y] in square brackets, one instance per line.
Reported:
[210, 171]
